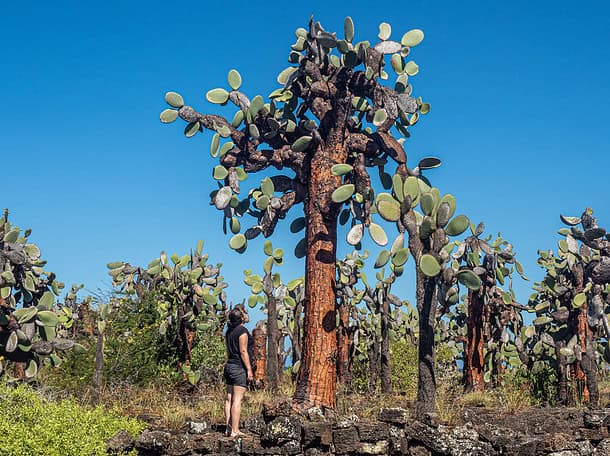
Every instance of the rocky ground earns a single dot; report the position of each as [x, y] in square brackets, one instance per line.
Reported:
[276, 431]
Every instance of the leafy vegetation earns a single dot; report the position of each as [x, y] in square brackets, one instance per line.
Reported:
[33, 425]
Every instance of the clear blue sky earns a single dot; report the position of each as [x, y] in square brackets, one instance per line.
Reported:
[519, 93]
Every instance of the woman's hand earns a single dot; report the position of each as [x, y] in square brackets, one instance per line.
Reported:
[250, 375]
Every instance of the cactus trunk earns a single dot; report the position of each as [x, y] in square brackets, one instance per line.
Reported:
[386, 378]
[273, 372]
[585, 370]
[297, 337]
[426, 381]
[373, 355]
[474, 361]
[19, 368]
[317, 377]
[343, 342]
[260, 357]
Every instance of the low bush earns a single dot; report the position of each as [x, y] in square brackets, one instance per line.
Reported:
[34, 426]
[404, 367]
[209, 354]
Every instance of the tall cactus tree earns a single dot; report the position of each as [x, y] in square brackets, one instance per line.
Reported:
[571, 304]
[328, 122]
[187, 287]
[428, 242]
[32, 328]
[492, 311]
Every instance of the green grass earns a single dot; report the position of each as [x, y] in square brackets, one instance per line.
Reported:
[32, 425]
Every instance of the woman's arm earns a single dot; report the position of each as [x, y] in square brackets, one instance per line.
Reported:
[243, 351]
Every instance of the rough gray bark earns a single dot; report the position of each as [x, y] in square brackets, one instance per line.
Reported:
[386, 370]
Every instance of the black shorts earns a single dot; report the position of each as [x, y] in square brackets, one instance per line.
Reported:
[235, 375]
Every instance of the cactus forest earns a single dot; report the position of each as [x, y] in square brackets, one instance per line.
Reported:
[324, 157]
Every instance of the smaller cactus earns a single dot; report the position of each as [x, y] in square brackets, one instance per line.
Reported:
[189, 290]
[33, 328]
[570, 330]
[283, 304]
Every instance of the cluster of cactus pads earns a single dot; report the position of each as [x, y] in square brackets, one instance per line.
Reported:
[571, 303]
[190, 292]
[287, 125]
[33, 329]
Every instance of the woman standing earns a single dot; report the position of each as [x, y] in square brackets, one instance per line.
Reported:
[237, 371]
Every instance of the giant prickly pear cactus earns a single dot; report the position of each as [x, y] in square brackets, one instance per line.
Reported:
[32, 329]
[571, 304]
[428, 234]
[492, 311]
[328, 122]
[188, 287]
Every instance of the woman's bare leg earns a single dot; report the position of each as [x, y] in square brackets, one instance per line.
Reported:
[228, 400]
[238, 395]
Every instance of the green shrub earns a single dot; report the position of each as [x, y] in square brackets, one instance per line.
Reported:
[360, 375]
[135, 351]
[541, 381]
[75, 373]
[404, 367]
[209, 352]
[34, 426]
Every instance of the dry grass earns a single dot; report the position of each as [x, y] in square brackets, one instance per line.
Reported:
[171, 408]
[367, 406]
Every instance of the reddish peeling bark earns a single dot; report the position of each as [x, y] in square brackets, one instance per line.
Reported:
[317, 377]
[19, 368]
[273, 367]
[584, 371]
[260, 357]
[474, 360]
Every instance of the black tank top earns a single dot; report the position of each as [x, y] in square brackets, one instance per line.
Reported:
[232, 339]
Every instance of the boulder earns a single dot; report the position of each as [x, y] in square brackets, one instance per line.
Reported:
[419, 451]
[291, 448]
[255, 424]
[507, 441]
[272, 411]
[595, 419]
[317, 433]
[394, 415]
[281, 430]
[345, 439]
[198, 427]
[372, 432]
[187, 444]
[380, 447]
[603, 448]
[457, 441]
[120, 443]
[558, 442]
[152, 442]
